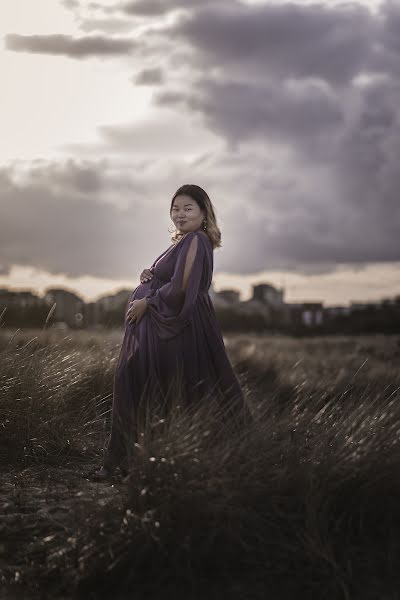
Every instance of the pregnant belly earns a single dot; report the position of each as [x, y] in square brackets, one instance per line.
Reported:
[138, 293]
[141, 290]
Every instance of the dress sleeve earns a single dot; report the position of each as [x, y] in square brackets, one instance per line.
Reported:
[170, 307]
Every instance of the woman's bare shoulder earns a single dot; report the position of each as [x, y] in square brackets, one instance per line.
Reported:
[189, 233]
[192, 234]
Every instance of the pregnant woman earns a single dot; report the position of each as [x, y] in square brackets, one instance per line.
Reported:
[171, 332]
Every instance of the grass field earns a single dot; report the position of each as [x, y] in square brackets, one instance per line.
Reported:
[303, 503]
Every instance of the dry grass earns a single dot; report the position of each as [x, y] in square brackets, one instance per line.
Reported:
[303, 502]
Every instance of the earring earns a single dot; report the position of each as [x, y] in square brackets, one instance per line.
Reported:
[173, 231]
[205, 225]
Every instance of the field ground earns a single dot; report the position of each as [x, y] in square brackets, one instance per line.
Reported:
[305, 503]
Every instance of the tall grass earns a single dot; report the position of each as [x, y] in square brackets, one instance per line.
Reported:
[301, 502]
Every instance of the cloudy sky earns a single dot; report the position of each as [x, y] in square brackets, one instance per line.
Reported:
[286, 113]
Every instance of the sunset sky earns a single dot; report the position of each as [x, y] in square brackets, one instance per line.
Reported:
[286, 113]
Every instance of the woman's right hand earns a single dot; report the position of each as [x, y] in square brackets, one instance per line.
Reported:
[146, 275]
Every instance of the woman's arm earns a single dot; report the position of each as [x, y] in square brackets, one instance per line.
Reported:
[171, 306]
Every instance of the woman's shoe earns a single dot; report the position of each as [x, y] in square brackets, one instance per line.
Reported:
[103, 473]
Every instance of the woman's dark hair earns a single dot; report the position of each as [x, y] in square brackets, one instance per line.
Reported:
[202, 199]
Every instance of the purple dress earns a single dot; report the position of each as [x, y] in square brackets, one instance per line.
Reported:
[178, 339]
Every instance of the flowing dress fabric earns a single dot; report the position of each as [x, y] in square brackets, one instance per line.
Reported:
[177, 339]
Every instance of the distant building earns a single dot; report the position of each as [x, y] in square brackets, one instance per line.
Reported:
[16, 305]
[92, 314]
[268, 294]
[364, 305]
[224, 298]
[22, 299]
[309, 314]
[114, 301]
[253, 306]
[336, 311]
[231, 296]
[70, 308]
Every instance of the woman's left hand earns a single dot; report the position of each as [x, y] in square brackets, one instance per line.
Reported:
[136, 310]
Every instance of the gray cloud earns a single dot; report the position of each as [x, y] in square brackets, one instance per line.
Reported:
[153, 76]
[242, 111]
[285, 40]
[94, 218]
[106, 25]
[306, 100]
[286, 75]
[70, 4]
[67, 45]
[64, 219]
[149, 8]
[152, 8]
[386, 55]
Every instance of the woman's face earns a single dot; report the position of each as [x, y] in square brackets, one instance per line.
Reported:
[186, 214]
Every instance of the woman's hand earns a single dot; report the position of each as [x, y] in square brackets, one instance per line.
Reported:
[136, 310]
[146, 275]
